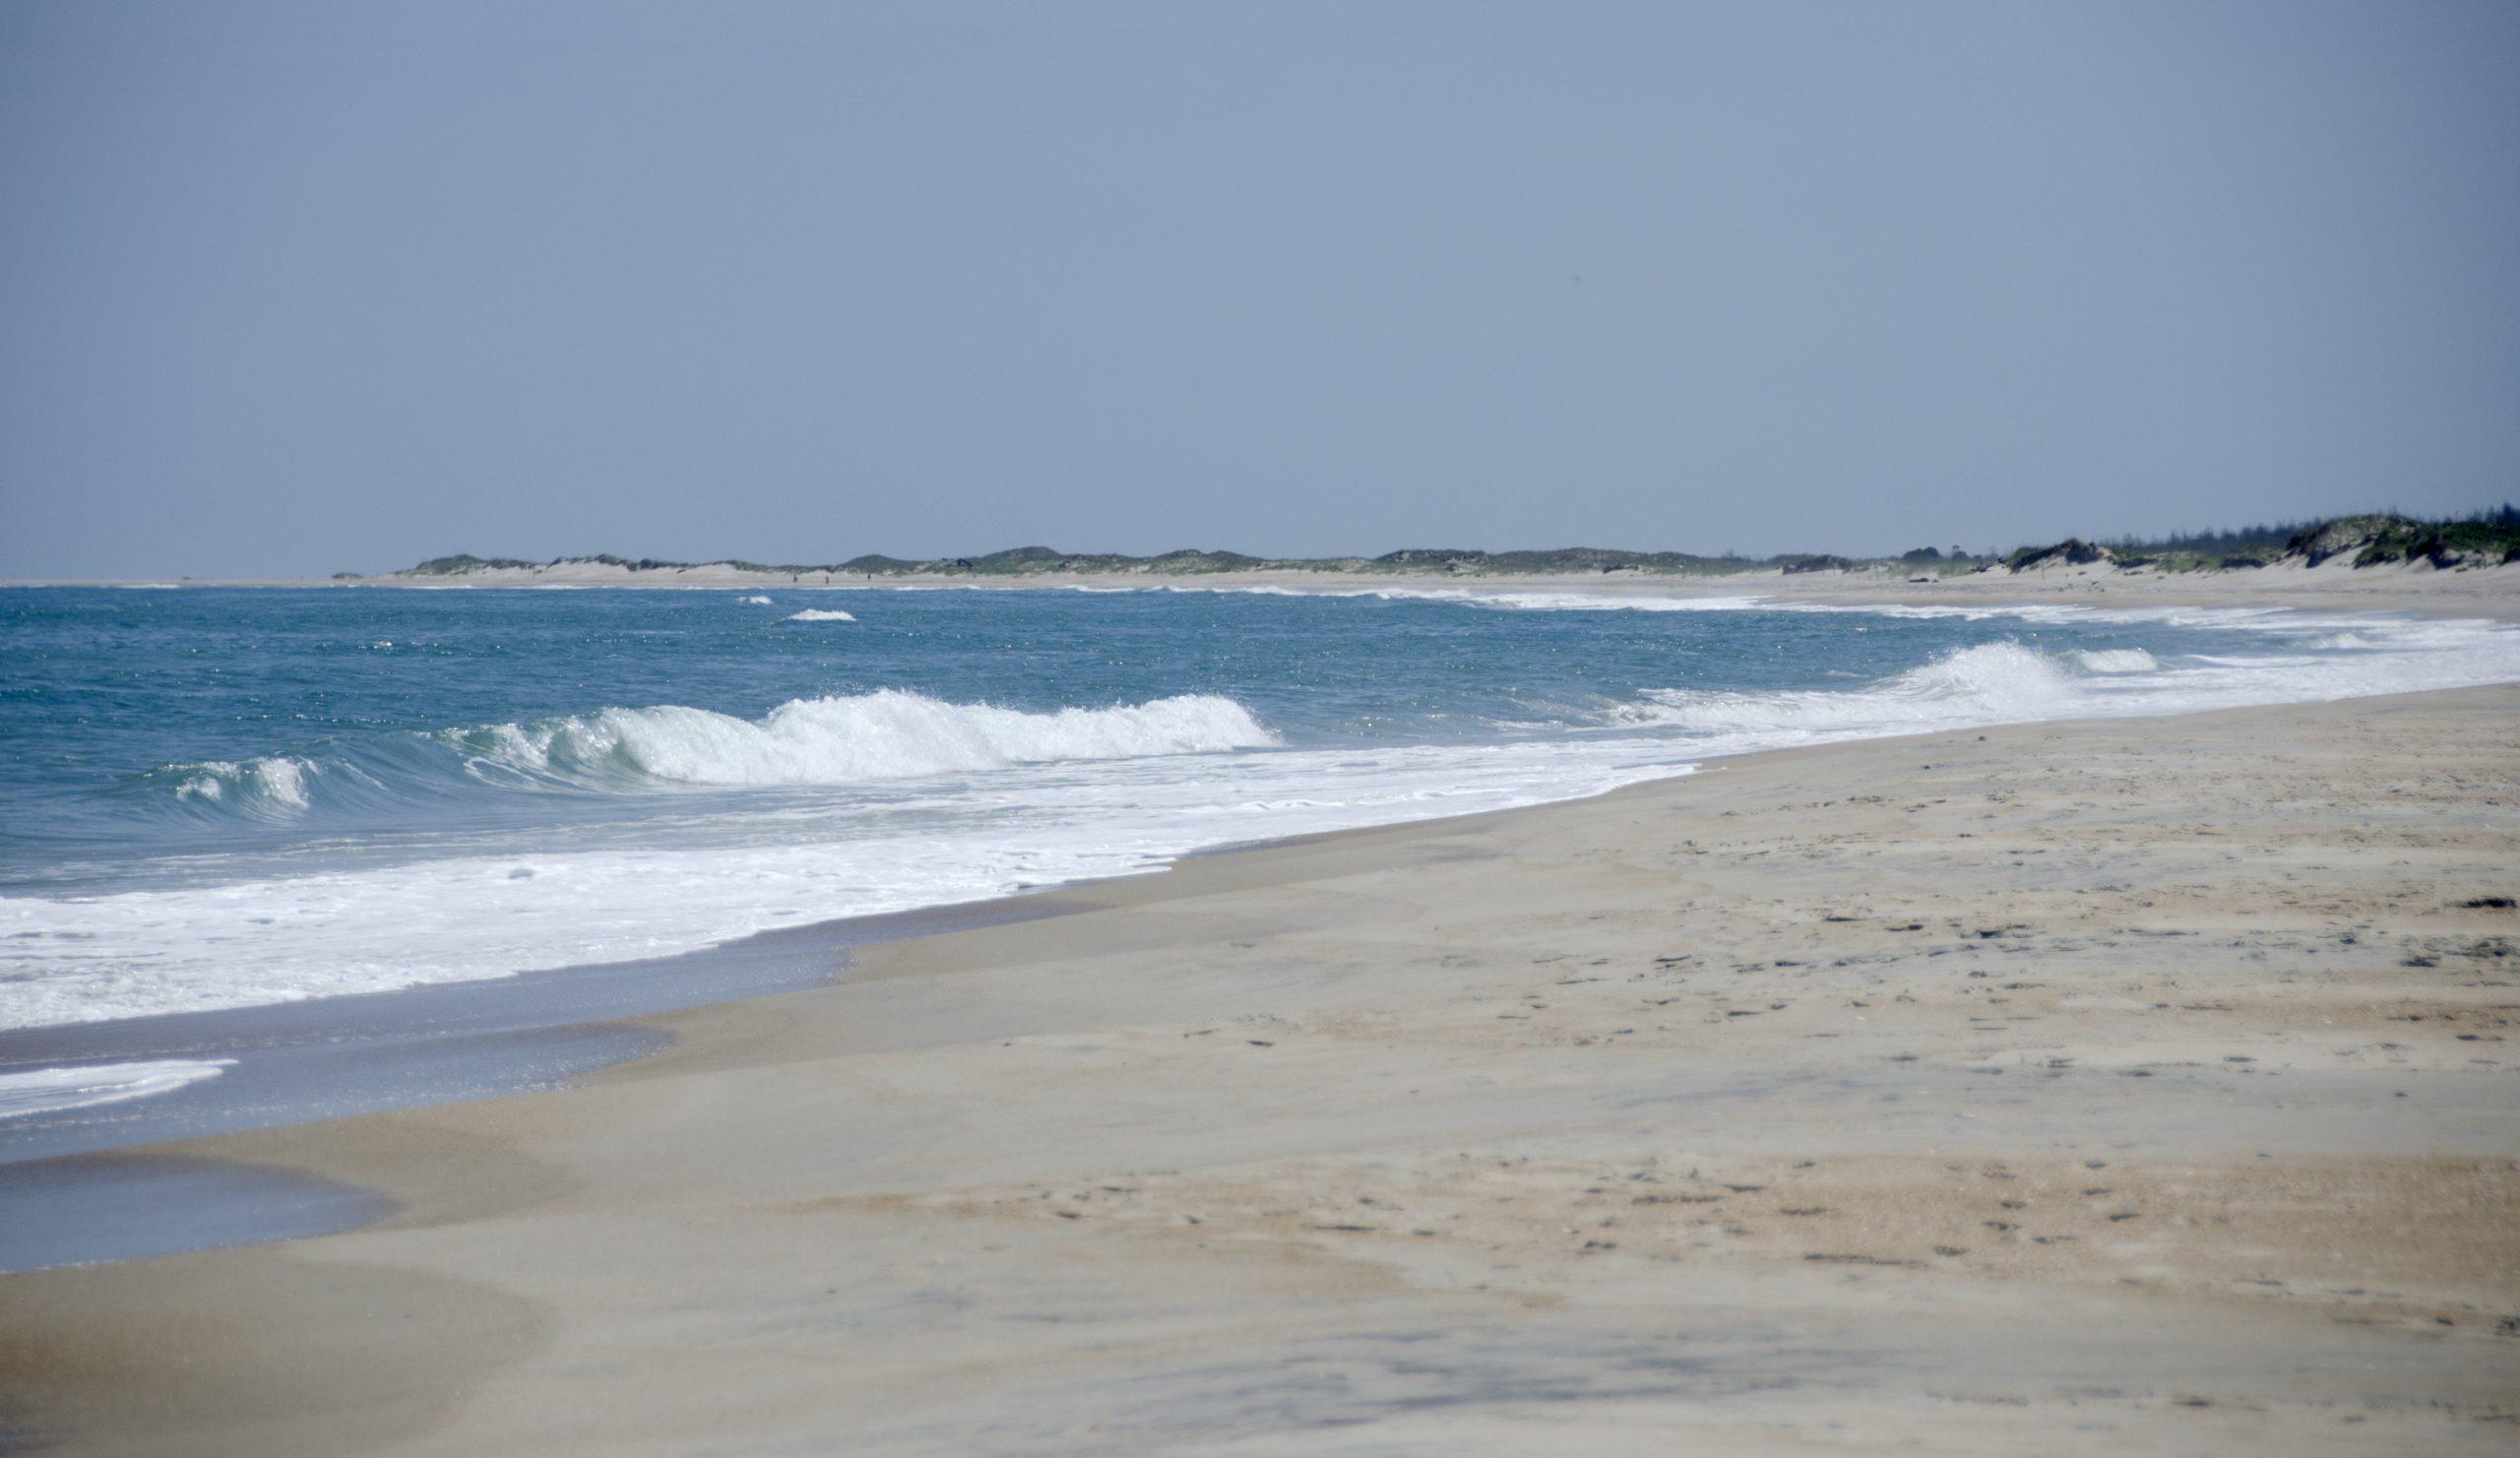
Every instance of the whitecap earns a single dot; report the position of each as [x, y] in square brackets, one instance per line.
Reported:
[1986, 683]
[274, 785]
[358, 927]
[2115, 660]
[867, 738]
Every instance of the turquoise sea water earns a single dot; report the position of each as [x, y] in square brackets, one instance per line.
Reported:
[217, 798]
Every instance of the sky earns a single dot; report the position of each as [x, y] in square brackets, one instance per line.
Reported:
[297, 288]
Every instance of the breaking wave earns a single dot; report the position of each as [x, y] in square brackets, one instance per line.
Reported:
[2007, 682]
[2115, 660]
[865, 739]
[820, 615]
[1988, 684]
[885, 735]
[270, 789]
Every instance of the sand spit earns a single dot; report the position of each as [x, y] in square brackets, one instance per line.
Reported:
[2140, 1086]
[2488, 592]
[2332, 586]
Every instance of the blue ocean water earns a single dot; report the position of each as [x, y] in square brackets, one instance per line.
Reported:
[223, 797]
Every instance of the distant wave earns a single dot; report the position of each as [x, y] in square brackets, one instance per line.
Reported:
[1618, 601]
[2008, 683]
[820, 615]
[1988, 684]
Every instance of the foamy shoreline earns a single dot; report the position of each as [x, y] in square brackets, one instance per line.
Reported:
[2145, 1074]
[1187, 779]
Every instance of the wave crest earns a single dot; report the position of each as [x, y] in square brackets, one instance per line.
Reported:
[889, 735]
[272, 788]
[1990, 682]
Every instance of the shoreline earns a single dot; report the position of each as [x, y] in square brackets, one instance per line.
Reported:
[2290, 604]
[107, 1183]
[581, 996]
[430, 1042]
[435, 1043]
[1362, 956]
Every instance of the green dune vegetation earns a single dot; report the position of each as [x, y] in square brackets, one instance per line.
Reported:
[2482, 539]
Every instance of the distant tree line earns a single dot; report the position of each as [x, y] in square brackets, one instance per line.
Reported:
[2275, 535]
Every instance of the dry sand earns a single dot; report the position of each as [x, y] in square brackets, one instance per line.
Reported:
[2136, 1086]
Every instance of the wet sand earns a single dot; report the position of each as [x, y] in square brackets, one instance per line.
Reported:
[2138, 1085]
[69, 1191]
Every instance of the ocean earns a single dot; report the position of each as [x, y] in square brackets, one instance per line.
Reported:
[221, 798]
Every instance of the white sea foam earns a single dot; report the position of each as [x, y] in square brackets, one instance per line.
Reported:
[756, 600]
[1579, 600]
[50, 1090]
[1528, 600]
[862, 739]
[2115, 660]
[371, 928]
[274, 787]
[819, 615]
[1988, 683]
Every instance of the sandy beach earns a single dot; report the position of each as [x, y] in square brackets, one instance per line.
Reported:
[1245, 730]
[2135, 1086]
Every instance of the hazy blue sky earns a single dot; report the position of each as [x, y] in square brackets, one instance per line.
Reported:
[291, 289]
